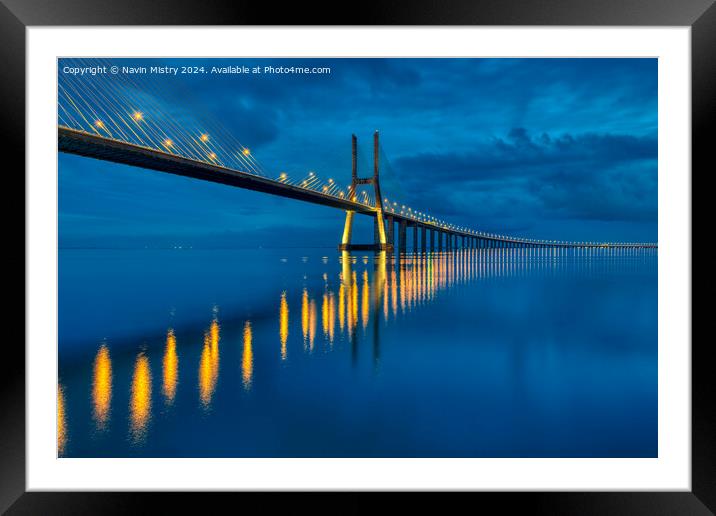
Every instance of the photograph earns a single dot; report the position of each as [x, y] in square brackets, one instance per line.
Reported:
[357, 257]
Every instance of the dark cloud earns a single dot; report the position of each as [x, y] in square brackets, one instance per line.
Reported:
[589, 176]
[521, 154]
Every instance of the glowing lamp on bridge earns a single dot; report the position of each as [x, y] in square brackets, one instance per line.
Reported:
[246, 152]
[282, 176]
[168, 143]
[212, 155]
[204, 137]
[99, 124]
[137, 116]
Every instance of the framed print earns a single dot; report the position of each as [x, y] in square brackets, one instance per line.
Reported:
[421, 250]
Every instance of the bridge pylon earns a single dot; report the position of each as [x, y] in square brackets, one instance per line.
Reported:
[380, 243]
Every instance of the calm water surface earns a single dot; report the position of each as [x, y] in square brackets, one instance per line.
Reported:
[314, 353]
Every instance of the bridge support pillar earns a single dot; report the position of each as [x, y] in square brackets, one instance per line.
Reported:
[432, 239]
[402, 229]
[415, 238]
[376, 230]
[347, 229]
[423, 241]
[390, 231]
[439, 235]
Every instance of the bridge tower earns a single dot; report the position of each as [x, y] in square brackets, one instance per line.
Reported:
[380, 243]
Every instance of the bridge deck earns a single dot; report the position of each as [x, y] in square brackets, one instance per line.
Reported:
[92, 146]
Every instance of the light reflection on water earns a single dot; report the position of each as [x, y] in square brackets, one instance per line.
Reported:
[61, 422]
[170, 368]
[247, 360]
[102, 387]
[366, 301]
[209, 364]
[140, 408]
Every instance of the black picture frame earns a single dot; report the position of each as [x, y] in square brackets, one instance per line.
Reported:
[17, 15]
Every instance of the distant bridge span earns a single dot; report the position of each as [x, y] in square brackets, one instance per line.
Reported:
[429, 234]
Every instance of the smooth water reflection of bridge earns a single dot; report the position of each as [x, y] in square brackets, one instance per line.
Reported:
[360, 294]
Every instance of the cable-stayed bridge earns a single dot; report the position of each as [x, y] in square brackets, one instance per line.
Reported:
[95, 121]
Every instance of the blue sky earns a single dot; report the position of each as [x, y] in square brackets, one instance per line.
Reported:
[543, 148]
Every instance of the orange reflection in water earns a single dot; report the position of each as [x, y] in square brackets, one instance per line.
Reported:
[353, 306]
[140, 404]
[209, 364]
[283, 324]
[324, 314]
[394, 292]
[312, 323]
[365, 298]
[247, 358]
[331, 317]
[102, 387]
[341, 305]
[170, 368]
[304, 317]
[61, 422]
[328, 315]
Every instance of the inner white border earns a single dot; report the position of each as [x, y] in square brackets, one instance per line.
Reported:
[670, 471]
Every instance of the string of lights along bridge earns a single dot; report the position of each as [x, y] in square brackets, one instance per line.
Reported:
[117, 119]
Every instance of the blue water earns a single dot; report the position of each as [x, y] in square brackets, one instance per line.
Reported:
[310, 353]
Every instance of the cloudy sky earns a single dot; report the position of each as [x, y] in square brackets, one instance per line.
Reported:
[544, 148]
